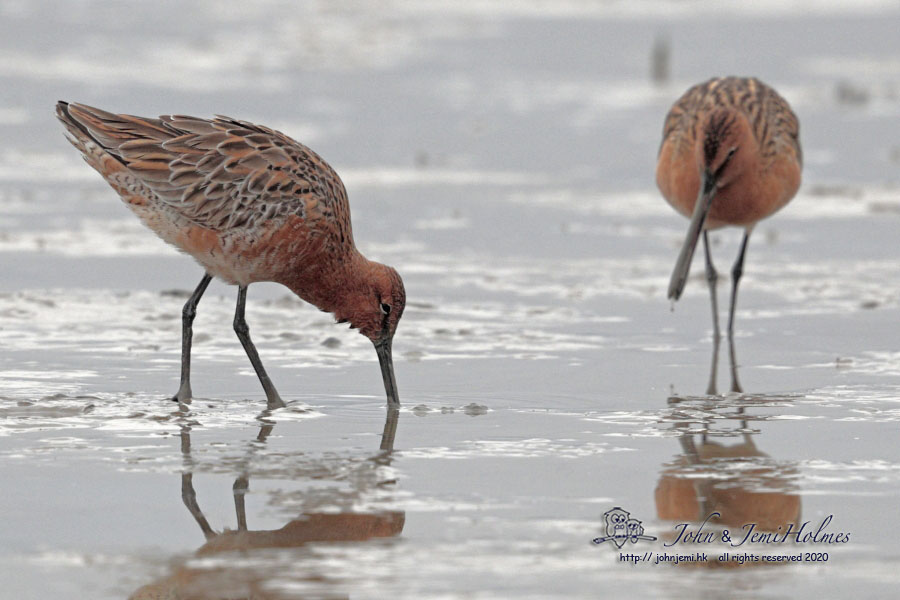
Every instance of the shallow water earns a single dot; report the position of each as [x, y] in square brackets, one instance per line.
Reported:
[502, 158]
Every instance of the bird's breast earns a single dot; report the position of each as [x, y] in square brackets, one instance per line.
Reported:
[750, 197]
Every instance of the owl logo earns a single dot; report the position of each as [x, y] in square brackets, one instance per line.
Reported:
[617, 525]
[621, 528]
[635, 530]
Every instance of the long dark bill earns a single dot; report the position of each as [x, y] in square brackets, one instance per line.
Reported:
[701, 209]
[383, 349]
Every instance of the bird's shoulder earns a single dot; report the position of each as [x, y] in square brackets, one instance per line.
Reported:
[771, 118]
[225, 173]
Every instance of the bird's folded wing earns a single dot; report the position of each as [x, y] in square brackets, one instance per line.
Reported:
[220, 173]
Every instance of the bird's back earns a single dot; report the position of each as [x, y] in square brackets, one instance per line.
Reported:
[774, 125]
[208, 185]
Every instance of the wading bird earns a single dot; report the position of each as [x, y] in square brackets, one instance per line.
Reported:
[730, 155]
[249, 204]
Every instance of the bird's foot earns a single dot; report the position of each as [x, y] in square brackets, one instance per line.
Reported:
[184, 395]
[273, 401]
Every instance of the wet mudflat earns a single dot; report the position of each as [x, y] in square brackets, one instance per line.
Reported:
[502, 159]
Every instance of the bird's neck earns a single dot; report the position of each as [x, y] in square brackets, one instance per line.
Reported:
[332, 285]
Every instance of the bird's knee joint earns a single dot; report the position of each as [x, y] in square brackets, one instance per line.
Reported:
[241, 328]
[188, 313]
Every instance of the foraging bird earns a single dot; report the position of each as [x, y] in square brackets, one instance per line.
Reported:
[249, 204]
[730, 155]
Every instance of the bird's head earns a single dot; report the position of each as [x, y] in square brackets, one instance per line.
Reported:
[381, 305]
[374, 307]
[725, 150]
[725, 139]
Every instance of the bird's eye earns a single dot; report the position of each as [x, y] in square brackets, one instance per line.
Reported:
[385, 308]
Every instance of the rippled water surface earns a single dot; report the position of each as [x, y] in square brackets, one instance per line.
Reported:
[501, 156]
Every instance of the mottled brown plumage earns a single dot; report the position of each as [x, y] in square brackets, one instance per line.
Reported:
[249, 204]
[710, 119]
[730, 155]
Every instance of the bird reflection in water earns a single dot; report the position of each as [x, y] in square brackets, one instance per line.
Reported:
[219, 581]
[721, 470]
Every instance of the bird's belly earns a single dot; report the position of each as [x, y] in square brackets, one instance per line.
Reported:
[740, 208]
[741, 204]
[229, 257]
[734, 209]
[237, 256]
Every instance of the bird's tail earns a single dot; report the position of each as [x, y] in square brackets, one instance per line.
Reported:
[76, 134]
[79, 135]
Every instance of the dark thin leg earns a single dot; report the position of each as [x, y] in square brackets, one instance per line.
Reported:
[736, 273]
[712, 278]
[688, 448]
[188, 495]
[748, 439]
[264, 432]
[240, 487]
[735, 384]
[243, 333]
[702, 487]
[187, 320]
[390, 429]
[242, 482]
